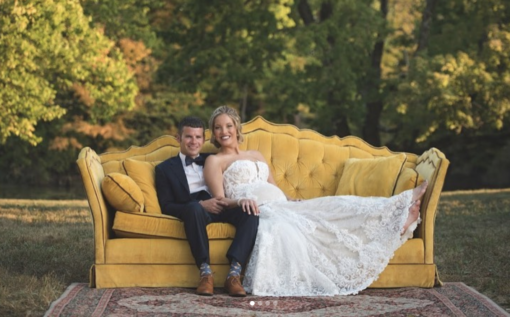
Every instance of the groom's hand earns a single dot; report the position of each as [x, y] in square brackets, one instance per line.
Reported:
[213, 205]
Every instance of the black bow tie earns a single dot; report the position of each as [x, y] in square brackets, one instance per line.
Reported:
[200, 160]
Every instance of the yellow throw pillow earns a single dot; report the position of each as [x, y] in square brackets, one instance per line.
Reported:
[371, 177]
[408, 179]
[122, 193]
[144, 175]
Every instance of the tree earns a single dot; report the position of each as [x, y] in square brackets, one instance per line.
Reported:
[409, 74]
[456, 84]
[52, 63]
[324, 67]
[454, 91]
[219, 51]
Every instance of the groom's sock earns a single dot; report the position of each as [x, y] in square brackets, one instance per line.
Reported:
[205, 269]
[235, 269]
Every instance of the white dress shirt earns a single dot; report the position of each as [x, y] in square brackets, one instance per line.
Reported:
[195, 175]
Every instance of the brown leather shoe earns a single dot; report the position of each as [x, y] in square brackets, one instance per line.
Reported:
[233, 287]
[206, 285]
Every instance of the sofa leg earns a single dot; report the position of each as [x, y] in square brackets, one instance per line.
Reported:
[92, 276]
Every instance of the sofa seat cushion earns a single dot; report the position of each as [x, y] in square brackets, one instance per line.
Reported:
[144, 225]
[177, 251]
[371, 177]
[162, 251]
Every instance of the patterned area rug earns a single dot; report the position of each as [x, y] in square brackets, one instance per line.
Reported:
[453, 299]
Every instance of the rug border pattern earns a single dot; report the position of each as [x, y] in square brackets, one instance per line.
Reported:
[106, 296]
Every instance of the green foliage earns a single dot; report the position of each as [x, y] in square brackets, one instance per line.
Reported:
[110, 74]
[161, 114]
[47, 51]
[337, 55]
[450, 92]
[233, 45]
[125, 19]
[458, 85]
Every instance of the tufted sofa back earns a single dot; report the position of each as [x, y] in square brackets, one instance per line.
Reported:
[304, 163]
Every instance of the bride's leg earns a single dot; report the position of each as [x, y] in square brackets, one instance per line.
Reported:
[414, 213]
[414, 210]
[419, 191]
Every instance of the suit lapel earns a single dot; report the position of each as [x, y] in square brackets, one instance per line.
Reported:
[179, 172]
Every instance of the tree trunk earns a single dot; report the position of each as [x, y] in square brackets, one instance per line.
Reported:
[423, 36]
[339, 123]
[423, 42]
[305, 12]
[374, 102]
[341, 126]
[244, 103]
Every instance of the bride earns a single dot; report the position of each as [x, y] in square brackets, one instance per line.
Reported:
[336, 245]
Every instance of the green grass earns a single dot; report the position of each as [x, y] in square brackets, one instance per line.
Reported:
[45, 245]
[472, 241]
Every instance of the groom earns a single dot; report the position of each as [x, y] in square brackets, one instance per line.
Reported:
[182, 193]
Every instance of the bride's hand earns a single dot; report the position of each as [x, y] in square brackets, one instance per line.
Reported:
[249, 205]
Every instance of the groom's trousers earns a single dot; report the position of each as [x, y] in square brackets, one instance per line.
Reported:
[196, 219]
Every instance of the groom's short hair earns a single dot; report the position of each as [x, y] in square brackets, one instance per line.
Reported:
[192, 122]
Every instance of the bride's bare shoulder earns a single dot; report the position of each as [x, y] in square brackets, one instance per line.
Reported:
[219, 161]
[214, 160]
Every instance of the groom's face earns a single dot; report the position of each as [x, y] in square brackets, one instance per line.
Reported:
[191, 141]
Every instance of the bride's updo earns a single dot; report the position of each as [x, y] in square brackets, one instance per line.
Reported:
[235, 118]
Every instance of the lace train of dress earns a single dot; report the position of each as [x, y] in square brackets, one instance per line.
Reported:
[335, 245]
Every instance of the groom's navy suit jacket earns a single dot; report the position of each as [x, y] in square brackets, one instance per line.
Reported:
[172, 187]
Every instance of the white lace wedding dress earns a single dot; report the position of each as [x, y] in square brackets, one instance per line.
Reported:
[336, 245]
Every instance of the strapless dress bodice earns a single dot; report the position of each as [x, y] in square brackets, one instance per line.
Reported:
[248, 179]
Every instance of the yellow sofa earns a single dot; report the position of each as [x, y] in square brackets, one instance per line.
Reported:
[135, 245]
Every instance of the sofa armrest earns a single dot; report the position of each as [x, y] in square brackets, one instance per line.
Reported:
[432, 166]
[92, 174]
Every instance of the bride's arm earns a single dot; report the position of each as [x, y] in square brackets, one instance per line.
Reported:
[213, 175]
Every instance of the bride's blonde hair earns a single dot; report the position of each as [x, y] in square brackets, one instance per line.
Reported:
[235, 118]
